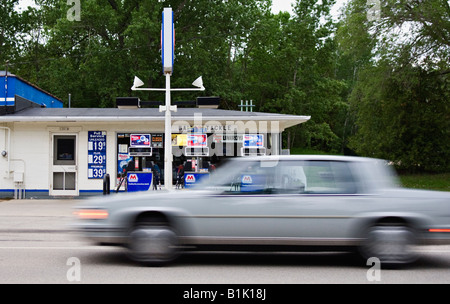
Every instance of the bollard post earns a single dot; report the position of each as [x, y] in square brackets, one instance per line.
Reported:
[106, 184]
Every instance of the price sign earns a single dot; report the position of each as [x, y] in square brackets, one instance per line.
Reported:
[96, 154]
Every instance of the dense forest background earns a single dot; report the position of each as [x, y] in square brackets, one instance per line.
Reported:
[375, 81]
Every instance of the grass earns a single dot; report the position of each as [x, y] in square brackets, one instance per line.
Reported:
[427, 181]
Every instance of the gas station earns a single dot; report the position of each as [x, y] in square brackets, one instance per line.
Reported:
[72, 152]
[67, 152]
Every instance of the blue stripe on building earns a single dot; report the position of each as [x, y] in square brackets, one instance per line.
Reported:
[13, 87]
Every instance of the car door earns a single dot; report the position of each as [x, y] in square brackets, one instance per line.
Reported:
[325, 205]
[241, 209]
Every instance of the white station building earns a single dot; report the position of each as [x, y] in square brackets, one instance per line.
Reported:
[54, 152]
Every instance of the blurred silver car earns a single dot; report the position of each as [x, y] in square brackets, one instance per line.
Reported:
[276, 203]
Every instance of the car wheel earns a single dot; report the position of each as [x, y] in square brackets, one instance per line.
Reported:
[152, 244]
[392, 245]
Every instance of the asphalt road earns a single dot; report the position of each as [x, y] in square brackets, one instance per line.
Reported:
[36, 247]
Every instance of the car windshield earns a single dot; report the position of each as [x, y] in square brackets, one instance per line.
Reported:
[247, 176]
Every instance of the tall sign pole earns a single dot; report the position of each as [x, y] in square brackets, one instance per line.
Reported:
[167, 52]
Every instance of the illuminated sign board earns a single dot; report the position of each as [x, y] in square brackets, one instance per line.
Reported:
[179, 139]
[196, 140]
[157, 140]
[253, 140]
[140, 140]
[167, 40]
[226, 138]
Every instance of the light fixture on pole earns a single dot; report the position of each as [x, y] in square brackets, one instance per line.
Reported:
[137, 83]
[167, 43]
[168, 157]
[199, 83]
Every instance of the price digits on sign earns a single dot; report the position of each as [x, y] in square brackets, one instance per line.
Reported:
[97, 146]
[96, 154]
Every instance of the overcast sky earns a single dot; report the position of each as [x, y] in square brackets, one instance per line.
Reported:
[285, 5]
[278, 5]
[282, 5]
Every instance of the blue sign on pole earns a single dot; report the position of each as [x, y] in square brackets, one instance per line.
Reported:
[96, 154]
[168, 40]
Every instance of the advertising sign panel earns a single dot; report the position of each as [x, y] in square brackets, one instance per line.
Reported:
[196, 140]
[253, 140]
[190, 179]
[140, 140]
[157, 140]
[139, 181]
[179, 140]
[122, 162]
[253, 182]
[228, 138]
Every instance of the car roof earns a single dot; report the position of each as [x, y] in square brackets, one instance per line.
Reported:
[309, 157]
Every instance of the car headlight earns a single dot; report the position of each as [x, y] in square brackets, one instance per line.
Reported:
[92, 214]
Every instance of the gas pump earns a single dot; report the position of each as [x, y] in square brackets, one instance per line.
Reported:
[139, 176]
[194, 170]
[139, 179]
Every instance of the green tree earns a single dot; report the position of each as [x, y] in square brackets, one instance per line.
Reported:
[296, 68]
[13, 25]
[400, 95]
[215, 41]
[403, 116]
[97, 57]
[419, 28]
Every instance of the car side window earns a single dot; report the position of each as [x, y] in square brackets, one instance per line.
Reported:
[329, 177]
[271, 177]
[249, 178]
[290, 177]
[256, 178]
